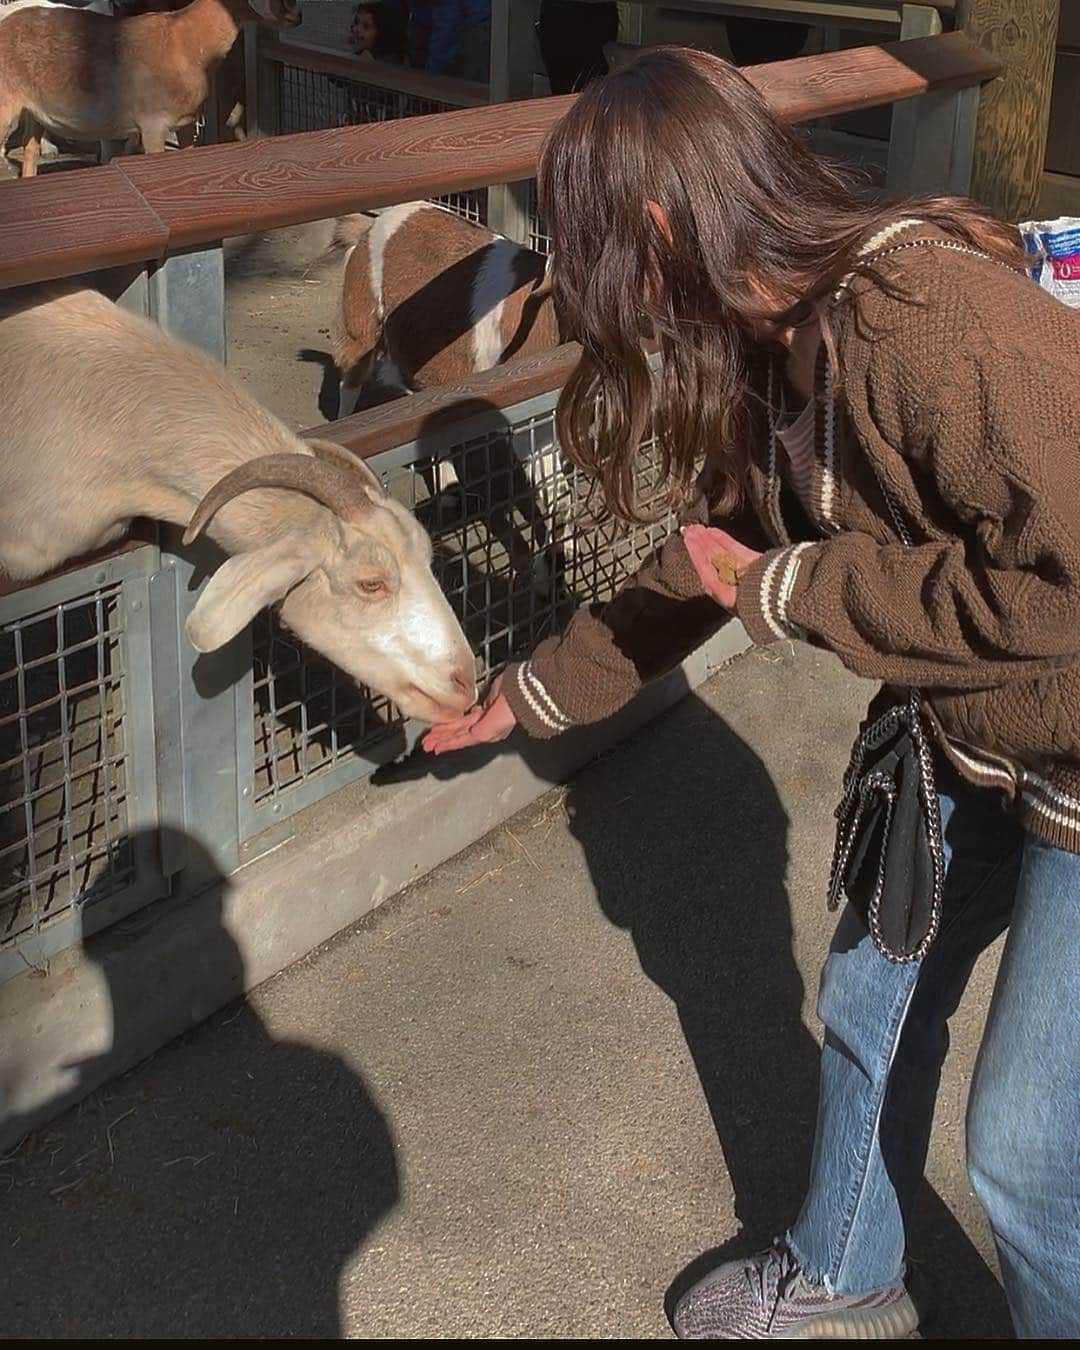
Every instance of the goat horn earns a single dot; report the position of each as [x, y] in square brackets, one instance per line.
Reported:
[332, 453]
[342, 491]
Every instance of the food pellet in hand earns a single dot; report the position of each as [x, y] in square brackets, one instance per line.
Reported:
[726, 567]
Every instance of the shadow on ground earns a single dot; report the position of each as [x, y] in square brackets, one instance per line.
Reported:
[686, 842]
[111, 1224]
[691, 858]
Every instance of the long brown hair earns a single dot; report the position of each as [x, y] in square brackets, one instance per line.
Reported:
[752, 213]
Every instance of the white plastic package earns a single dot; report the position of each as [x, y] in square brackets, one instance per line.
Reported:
[1055, 249]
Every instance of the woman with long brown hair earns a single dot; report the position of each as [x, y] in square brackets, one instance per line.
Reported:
[884, 412]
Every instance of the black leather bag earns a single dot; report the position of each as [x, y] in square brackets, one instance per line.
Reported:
[889, 861]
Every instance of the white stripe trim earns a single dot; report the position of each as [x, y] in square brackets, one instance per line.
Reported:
[983, 766]
[1055, 794]
[884, 235]
[1048, 813]
[542, 693]
[534, 706]
[537, 696]
[875, 242]
[787, 585]
[763, 595]
[1030, 785]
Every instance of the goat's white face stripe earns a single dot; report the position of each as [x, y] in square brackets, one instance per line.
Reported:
[494, 282]
[420, 627]
[386, 226]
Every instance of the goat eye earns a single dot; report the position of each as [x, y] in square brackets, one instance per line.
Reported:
[372, 586]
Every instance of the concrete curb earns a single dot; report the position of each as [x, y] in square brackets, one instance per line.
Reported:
[178, 961]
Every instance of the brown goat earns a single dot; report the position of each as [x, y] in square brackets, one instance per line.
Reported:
[91, 77]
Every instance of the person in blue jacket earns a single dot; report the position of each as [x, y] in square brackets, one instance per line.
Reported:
[460, 37]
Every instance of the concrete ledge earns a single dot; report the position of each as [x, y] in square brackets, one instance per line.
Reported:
[171, 965]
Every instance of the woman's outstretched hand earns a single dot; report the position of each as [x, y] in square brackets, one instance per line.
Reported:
[719, 561]
[490, 721]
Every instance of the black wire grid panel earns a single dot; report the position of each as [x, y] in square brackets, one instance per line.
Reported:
[539, 238]
[311, 101]
[517, 549]
[64, 775]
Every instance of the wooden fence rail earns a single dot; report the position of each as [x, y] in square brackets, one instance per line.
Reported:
[139, 208]
[384, 75]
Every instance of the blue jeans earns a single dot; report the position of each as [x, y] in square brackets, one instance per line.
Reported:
[886, 1036]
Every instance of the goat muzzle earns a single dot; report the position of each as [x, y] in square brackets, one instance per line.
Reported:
[343, 488]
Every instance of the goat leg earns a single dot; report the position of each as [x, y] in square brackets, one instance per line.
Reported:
[153, 136]
[31, 151]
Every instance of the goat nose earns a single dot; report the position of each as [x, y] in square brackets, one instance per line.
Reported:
[464, 678]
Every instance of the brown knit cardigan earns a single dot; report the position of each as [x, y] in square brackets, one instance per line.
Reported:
[962, 395]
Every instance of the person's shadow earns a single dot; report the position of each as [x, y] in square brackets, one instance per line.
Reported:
[215, 1192]
[691, 859]
[686, 843]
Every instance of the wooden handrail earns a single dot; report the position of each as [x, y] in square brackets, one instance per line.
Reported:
[383, 74]
[137, 208]
[374, 430]
[803, 10]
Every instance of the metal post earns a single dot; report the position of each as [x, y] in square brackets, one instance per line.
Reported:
[513, 57]
[933, 137]
[197, 712]
[631, 28]
[212, 112]
[253, 109]
[195, 716]
[186, 295]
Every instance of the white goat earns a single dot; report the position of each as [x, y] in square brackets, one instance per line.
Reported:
[90, 77]
[427, 299]
[177, 440]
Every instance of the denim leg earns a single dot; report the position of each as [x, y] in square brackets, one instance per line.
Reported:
[885, 1039]
[1024, 1107]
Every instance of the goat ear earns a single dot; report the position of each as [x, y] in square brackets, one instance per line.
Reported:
[243, 585]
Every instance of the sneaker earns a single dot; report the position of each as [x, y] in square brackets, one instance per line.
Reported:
[768, 1298]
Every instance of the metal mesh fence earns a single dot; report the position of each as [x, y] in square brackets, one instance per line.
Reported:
[517, 550]
[308, 716]
[539, 238]
[64, 773]
[311, 101]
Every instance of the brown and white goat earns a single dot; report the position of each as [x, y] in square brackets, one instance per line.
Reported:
[304, 522]
[427, 299]
[90, 77]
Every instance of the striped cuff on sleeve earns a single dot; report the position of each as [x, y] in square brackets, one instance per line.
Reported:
[532, 705]
[765, 591]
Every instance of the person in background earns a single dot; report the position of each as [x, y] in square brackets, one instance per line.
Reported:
[573, 34]
[380, 30]
[460, 39]
[419, 33]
